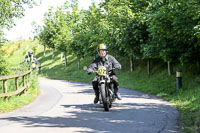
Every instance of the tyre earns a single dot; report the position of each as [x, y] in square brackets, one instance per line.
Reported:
[104, 97]
[110, 106]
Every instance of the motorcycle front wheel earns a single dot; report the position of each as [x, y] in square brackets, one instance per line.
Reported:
[104, 97]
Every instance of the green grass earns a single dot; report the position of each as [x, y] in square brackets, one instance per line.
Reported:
[187, 100]
[14, 102]
[15, 61]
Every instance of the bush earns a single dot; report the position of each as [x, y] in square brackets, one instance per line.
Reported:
[3, 65]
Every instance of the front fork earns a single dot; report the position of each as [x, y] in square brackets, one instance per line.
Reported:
[109, 90]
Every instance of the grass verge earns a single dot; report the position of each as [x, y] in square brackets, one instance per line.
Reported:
[15, 60]
[14, 102]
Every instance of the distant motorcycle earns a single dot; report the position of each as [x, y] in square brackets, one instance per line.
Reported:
[33, 66]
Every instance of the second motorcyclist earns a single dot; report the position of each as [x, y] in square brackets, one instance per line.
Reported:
[30, 59]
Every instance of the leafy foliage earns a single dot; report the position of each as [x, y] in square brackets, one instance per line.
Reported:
[143, 29]
[171, 28]
[9, 10]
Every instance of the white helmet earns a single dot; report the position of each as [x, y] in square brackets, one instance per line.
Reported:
[30, 52]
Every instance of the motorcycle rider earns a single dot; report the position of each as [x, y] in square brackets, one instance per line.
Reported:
[105, 60]
[30, 58]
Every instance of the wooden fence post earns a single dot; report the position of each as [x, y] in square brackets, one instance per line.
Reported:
[16, 83]
[29, 76]
[24, 80]
[6, 94]
[5, 86]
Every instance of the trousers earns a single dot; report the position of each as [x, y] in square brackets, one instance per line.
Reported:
[114, 79]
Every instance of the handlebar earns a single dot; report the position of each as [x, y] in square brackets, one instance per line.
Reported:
[95, 70]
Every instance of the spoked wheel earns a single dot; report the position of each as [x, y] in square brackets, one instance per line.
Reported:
[110, 105]
[111, 95]
[104, 97]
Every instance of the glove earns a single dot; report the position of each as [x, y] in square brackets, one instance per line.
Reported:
[89, 73]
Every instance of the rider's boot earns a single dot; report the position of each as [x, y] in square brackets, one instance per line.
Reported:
[96, 99]
[117, 94]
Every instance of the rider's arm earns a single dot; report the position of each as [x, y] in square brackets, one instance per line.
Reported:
[92, 67]
[36, 61]
[26, 59]
[115, 63]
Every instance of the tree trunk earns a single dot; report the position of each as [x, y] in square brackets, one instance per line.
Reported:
[148, 66]
[38, 46]
[65, 59]
[52, 53]
[94, 56]
[131, 63]
[61, 56]
[44, 50]
[169, 68]
[78, 63]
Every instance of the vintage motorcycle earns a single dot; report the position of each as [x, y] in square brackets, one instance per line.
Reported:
[33, 66]
[106, 87]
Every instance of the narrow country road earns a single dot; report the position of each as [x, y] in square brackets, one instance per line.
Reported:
[65, 107]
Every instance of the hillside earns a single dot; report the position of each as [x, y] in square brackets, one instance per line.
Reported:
[14, 54]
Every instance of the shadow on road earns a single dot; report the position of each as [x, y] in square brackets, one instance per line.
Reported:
[124, 117]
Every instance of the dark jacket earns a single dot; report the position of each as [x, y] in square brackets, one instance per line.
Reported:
[109, 61]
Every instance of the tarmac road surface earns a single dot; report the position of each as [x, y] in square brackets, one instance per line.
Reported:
[65, 107]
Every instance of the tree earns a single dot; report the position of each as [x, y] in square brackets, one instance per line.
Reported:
[48, 33]
[63, 36]
[128, 28]
[80, 38]
[171, 27]
[9, 10]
